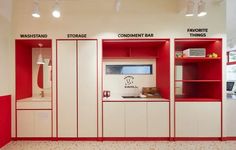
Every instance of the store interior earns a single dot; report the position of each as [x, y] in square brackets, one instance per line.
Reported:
[115, 70]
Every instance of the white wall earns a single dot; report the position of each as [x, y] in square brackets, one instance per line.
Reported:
[117, 87]
[5, 33]
[98, 19]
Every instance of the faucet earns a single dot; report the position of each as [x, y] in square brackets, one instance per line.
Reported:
[42, 93]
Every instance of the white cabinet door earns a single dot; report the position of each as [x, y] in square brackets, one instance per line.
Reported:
[157, 119]
[135, 119]
[114, 119]
[34, 123]
[200, 119]
[67, 94]
[87, 88]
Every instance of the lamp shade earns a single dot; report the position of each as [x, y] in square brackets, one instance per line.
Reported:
[35, 11]
[40, 59]
[190, 8]
[202, 9]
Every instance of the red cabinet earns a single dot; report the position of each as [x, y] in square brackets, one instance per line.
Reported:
[5, 120]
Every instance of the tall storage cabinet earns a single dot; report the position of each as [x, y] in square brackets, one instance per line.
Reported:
[198, 89]
[76, 88]
[87, 88]
[67, 94]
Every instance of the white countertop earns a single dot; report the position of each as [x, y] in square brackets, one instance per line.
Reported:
[120, 98]
[35, 99]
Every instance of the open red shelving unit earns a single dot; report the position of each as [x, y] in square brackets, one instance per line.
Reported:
[201, 78]
[158, 49]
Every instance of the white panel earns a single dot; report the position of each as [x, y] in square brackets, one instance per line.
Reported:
[198, 119]
[230, 106]
[209, 120]
[67, 112]
[114, 119]
[158, 119]
[87, 89]
[42, 123]
[135, 119]
[25, 123]
[34, 105]
[186, 122]
[34, 123]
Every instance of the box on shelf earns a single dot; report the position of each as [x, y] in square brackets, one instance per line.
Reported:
[151, 92]
[194, 52]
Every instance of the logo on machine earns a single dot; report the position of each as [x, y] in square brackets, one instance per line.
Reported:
[129, 82]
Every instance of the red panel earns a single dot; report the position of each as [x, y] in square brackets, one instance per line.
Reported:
[40, 76]
[163, 70]
[197, 138]
[134, 48]
[23, 70]
[116, 52]
[136, 139]
[5, 120]
[33, 43]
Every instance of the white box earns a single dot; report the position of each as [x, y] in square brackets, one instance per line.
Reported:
[195, 52]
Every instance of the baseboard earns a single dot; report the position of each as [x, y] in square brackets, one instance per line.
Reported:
[197, 139]
[233, 138]
[136, 139]
[124, 139]
[55, 139]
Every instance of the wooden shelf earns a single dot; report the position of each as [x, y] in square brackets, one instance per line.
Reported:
[184, 60]
[198, 81]
[192, 99]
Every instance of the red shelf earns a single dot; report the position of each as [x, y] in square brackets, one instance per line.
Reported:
[197, 100]
[198, 81]
[185, 60]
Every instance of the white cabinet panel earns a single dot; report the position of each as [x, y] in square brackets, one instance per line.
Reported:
[34, 123]
[198, 119]
[157, 119]
[87, 83]
[135, 119]
[229, 109]
[67, 101]
[114, 119]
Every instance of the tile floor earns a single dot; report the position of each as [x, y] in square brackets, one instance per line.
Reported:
[68, 145]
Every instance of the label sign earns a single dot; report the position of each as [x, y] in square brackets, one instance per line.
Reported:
[197, 32]
[129, 82]
[76, 35]
[41, 36]
[135, 35]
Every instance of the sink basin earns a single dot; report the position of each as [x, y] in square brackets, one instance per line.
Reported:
[131, 96]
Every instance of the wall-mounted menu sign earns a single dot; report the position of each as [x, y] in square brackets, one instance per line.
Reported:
[76, 35]
[135, 35]
[33, 36]
[197, 32]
